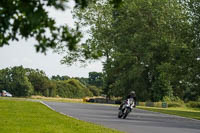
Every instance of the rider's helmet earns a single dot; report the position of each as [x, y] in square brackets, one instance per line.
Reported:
[132, 93]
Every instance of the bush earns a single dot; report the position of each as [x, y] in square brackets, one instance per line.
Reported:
[193, 104]
[96, 91]
[80, 89]
[172, 99]
[72, 88]
[175, 104]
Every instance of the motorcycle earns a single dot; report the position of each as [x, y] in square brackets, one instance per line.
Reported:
[126, 108]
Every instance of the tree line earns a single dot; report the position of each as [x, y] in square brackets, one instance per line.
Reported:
[22, 82]
[150, 46]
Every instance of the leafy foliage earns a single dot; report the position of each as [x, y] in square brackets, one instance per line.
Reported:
[193, 104]
[96, 79]
[21, 81]
[72, 88]
[151, 47]
[14, 80]
[26, 19]
[30, 19]
[41, 83]
[58, 77]
[96, 91]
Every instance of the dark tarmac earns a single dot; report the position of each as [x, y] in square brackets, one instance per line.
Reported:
[138, 121]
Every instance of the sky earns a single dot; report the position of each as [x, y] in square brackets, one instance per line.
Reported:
[24, 53]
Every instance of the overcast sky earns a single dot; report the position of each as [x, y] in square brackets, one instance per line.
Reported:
[23, 53]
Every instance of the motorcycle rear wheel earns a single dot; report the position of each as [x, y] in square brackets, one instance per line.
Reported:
[126, 113]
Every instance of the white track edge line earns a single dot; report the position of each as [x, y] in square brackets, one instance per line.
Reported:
[57, 111]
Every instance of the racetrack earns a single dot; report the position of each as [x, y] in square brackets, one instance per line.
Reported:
[138, 121]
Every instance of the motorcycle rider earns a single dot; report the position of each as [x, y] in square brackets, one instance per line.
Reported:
[131, 95]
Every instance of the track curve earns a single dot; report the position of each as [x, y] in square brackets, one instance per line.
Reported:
[138, 121]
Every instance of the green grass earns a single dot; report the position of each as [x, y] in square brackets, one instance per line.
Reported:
[184, 112]
[51, 99]
[18, 116]
[57, 99]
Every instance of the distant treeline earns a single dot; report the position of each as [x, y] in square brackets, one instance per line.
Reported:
[21, 82]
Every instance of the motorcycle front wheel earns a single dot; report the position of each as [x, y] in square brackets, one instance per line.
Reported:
[120, 114]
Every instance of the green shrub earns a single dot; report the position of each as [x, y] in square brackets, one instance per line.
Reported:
[176, 104]
[193, 104]
[173, 99]
[72, 88]
[96, 91]
[80, 88]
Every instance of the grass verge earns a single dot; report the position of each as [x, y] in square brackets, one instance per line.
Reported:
[57, 99]
[193, 113]
[17, 116]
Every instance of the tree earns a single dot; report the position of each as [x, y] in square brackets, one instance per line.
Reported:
[26, 19]
[72, 88]
[83, 80]
[58, 77]
[147, 45]
[96, 78]
[41, 83]
[149, 36]
[98, 18]
[192, 89]
[95, 91]
[21, 81]
[15, 81]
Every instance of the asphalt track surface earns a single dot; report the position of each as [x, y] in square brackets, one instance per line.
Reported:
[138, 121]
